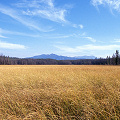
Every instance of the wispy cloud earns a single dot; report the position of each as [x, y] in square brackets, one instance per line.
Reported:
[50, 36]
[90, 38]
[43, 8]
[113, 4]
[3, 31]
[87, 48]
[72, 35]
[1, 36]
[31, 12]
[81, 37]
[117, 40]
[34, 3]
[20, 18]
[81, 26]
[78, 26]
[60, 36]
[6, 45]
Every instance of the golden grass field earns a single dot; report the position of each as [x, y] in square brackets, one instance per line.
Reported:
[59, 92]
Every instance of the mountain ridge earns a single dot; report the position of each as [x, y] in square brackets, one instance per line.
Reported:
[60, 57]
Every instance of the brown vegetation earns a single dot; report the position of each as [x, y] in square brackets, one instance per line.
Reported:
[60, 92]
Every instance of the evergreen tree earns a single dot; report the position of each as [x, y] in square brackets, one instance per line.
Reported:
[109, 60]
[117, 57]
[113, 59]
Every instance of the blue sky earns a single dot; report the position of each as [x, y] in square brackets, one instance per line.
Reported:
[63, 27]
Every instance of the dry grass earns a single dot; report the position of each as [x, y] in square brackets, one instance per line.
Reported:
[59, 92]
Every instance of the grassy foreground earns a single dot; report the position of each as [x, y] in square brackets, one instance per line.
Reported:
[59, 92]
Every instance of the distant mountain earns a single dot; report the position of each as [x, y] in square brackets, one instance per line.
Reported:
[57, 57]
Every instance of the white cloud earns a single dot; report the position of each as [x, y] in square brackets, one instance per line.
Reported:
[72, 35]
[34, 3]
[6, 45]
[81, 26]
[50, 36]
[117, 40]
[1, 36]
[78, 26]
[43, 8]
[90, 38]
[113, 4]
[75, 25]
[87, 48]
[53, 15]
[25, 12]
[61, 36]
[3, 31]
[20, 18]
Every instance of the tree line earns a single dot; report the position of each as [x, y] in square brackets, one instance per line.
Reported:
[114, 60]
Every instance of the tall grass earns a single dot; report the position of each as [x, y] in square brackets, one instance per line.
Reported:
[60, 92]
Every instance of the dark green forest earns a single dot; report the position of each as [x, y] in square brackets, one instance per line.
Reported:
[114, 60]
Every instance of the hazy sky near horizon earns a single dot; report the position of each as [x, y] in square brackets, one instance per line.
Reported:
[63, 27]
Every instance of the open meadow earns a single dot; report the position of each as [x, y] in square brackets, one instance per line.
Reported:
[59, 92]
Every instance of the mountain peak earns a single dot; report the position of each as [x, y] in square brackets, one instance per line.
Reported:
[57, 57]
